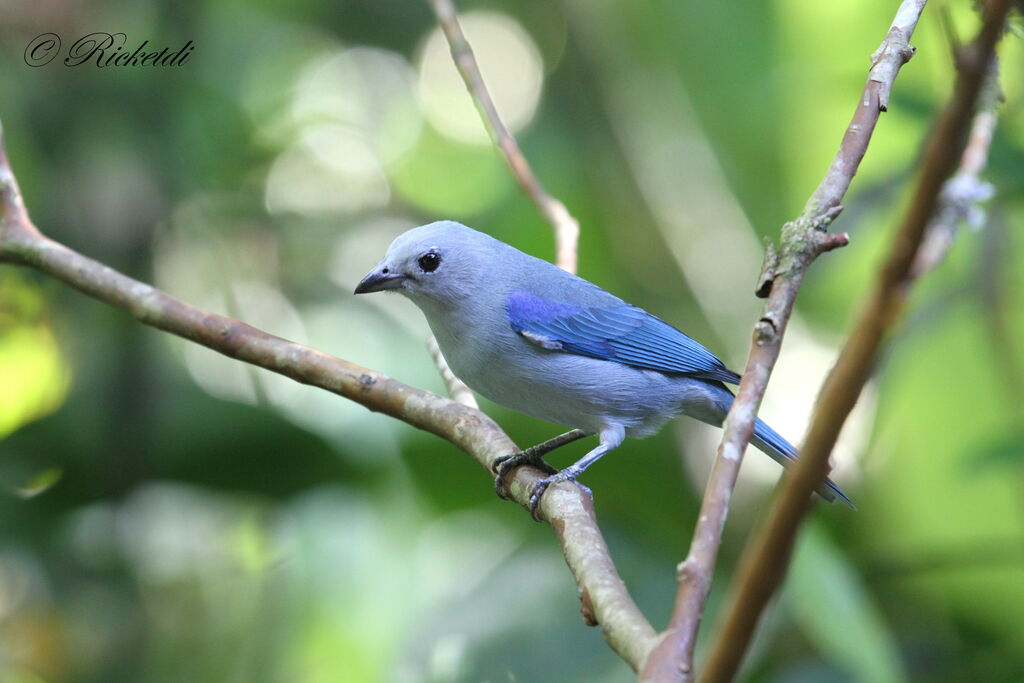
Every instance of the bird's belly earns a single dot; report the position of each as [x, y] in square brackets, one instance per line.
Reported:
[565, 389]
[544, 398]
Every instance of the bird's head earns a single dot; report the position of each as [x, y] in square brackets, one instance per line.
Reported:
[439, 264]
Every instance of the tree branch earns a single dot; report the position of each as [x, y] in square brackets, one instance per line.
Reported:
[568, 509]
[802, 241]
[766, 557]
[567, 229]
[457, 389]
[961, 193]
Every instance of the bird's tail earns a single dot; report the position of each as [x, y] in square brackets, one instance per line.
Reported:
[765, 438]
[783, 452]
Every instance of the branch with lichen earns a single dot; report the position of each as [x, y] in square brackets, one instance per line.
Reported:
[565, 507]
[961, 195]
[802, 240]
[567, 229]
[766, 558]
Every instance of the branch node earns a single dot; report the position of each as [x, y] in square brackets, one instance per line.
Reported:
[798, 247]
[766, 331]
[892, 54]
[828, 241]
[587, 608]
[825, 219]
[767, 278]
[766, 557]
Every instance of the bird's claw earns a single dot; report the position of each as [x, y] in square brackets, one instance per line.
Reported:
[541, 485]
[504, 464]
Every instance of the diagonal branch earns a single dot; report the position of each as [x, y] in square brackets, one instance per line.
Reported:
[567, 229]
[766, 557]
[605, 598]
[965, 190]
[802, 241]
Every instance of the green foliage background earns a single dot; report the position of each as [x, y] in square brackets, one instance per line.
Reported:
[167, 514]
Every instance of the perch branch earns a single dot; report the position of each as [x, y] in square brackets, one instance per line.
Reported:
[567, 229]
[765, 559]
[802, 241]
[565, 507]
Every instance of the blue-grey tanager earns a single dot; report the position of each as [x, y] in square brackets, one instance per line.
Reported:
[530, 336]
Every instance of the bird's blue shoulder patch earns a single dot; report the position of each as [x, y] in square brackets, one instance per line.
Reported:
[620, 333]
[525, 306]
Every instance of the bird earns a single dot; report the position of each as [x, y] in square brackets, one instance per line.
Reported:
[535, 338]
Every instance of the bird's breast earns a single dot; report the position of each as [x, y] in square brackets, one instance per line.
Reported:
[510, 371]
[480, 360]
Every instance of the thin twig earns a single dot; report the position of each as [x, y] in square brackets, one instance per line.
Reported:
[565, 507]
[802, 241]
[766, 557]
[567, 229]
[965, 190]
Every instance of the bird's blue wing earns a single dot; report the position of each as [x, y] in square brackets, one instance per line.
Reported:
[621, 333]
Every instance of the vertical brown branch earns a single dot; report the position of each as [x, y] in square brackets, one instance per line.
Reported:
[802, 241]
[567, 229]
[766, 557]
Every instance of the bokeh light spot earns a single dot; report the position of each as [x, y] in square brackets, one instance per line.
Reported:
[449, 179]
[511, 66]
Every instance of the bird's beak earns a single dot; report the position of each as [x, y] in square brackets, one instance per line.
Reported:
[378, 279]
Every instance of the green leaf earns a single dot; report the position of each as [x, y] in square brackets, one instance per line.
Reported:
[40, 482]
[1004, 450]
[835, 612]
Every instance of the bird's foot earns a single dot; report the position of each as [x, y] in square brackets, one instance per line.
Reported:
[506, 463]
[541, 485]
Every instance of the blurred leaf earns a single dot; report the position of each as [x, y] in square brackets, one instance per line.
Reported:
[836, 613]
[251, 545]
[40, 482]
[22, 676]
[1008, 450]
[450, 179]
[33, 376]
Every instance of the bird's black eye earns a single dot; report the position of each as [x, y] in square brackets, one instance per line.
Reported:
[430, 261]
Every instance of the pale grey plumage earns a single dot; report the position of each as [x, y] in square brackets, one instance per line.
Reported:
[466, 301]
